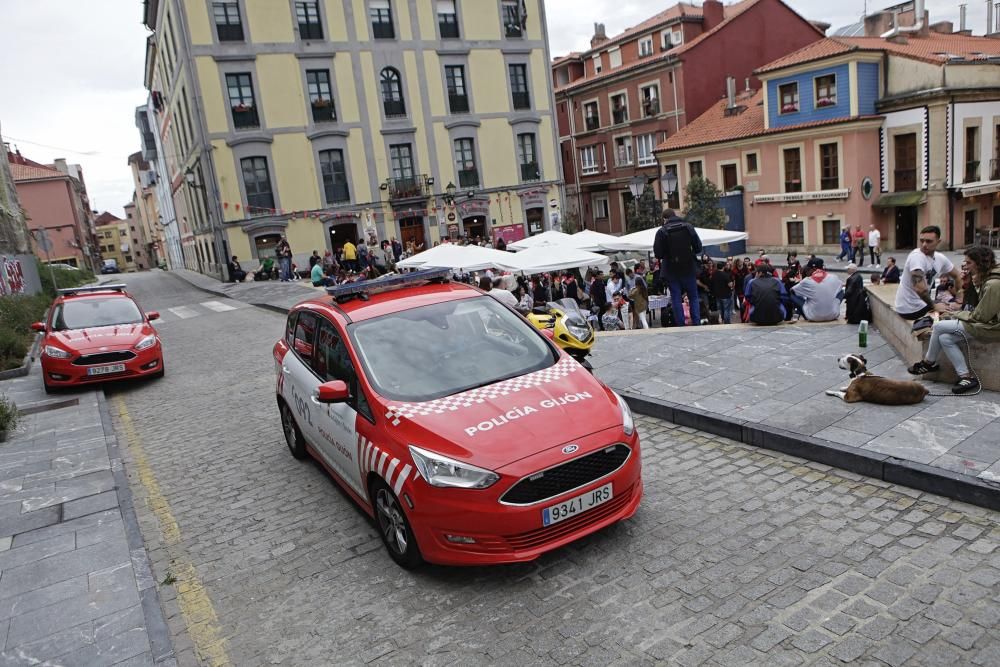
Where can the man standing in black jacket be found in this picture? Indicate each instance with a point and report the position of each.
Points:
(676, 245)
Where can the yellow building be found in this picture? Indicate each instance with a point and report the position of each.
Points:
(114, 242)
(333, 120)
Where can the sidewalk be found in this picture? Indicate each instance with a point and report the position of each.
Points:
(765, 386)
(271, 294)
(75, 583)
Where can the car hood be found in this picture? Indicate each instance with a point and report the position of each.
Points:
(504, 422)
(93, 339)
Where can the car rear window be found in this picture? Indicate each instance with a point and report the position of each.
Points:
(86, 313)
(446, 348)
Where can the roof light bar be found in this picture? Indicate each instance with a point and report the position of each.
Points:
(364, 288)
(117, 287)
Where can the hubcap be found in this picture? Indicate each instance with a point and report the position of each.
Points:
(391, 521)
(289, 427)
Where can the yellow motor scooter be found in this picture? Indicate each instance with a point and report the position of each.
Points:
(569, 326)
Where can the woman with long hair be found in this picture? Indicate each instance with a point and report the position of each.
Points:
(954, 328)
(640, 304)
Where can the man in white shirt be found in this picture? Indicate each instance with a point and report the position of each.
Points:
(913, 298)
(497, 291)
(816, 295)
(874, 240)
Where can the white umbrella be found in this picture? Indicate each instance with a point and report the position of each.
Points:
(551, 258)
(642, 241)
(545, 238)
(454, 256)
(590, 240)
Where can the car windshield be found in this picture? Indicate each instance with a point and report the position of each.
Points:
(446, 348)
(86, 313)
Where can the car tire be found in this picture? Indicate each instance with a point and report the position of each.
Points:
(49, 389)
(393, 526)
(163, 371)
(293, 436)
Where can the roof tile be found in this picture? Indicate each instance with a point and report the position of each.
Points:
(28, 172)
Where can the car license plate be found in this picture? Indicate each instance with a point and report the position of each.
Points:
(105, 370)
(573, 506)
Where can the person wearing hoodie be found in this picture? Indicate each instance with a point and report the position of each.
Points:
(815, 296)
(983, 323)
(676, 245)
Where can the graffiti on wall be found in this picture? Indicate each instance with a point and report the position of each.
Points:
(11, 276)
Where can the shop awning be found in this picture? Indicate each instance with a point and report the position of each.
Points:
(900, 199)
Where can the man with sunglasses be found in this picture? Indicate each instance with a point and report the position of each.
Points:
(914, 298)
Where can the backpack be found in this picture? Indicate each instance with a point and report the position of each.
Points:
(680, 252)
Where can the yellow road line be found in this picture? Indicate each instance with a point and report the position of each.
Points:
(195, 605)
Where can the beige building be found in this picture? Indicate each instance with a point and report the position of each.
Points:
(114, 240)
(148, 238)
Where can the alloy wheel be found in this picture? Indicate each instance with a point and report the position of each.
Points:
(391, 522)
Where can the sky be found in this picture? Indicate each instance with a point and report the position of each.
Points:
(71, 71)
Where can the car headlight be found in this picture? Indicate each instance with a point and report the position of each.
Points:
(628, 425)
(56, 353)
(441, 471)
(146, 343)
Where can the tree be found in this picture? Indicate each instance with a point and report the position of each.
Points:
(644, 212)
(570, 223)
(703, 208)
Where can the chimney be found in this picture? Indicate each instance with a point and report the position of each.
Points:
(961, 18)
(989, 16)
(600, 36)
(712, 14)
(747, 85)
(60, 165)
(730, 92)
(943, 27)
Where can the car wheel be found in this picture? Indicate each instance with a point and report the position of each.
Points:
(394, 528)
(293, 436)
(49, 389)
(158, 375)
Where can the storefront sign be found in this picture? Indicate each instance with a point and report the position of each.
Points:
(820, 195)
(470, 208)
(987, 189)
(451, 217)
(509, 234)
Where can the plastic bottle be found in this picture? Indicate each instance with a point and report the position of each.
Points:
(863, 334)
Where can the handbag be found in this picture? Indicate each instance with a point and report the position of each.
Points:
(925, 322)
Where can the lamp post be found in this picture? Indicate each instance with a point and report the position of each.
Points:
(192, 180)
(449, 194)
(637, 185)
(668, 184)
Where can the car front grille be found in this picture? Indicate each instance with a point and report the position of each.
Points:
(568, 476)
(539, 537)
(103, 358)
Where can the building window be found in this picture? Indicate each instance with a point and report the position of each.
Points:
(513, 20)
(381, 15)
(829, 169)
(320, 95)
(793, 170)
(905, 171)
(600, 207)
(650, 100)
(619, 109)
(645, 145)
(392, 93)
(694, 170)
(645, 47)
(796, 232)
(590, 116)
(615, 58)
(228, 26)
(826, 91)
(831, 232)
(588, 160)
(623, 151)
(673, 198)
(752, 163)
(789, 96)
(730, 177)
(307, 14)
(335, 188)
(971, 154)
(401, 158)
(465, 160)
(528, 155)
(519, 86)
(458, 99)
(447, 19)
(241, 100)
(596, 60)
(257, 183)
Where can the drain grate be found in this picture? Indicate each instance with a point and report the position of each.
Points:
(50, 405)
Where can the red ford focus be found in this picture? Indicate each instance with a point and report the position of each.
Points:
(463, 430)
(97, 334)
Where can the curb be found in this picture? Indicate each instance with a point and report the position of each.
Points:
(207, 290)
(160, 644)
(887, 468)
(25, 366)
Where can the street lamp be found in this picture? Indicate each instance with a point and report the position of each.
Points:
(668, 183)
(449, 194)
(191, 179)
(637, 185)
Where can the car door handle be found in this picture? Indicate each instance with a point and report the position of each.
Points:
(284, 369)
(315, 400)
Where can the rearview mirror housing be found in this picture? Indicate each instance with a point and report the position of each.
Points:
(153, 315)
(38, 326)
(335, 391)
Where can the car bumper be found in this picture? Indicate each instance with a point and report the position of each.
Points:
(505, 533)
(64, 373)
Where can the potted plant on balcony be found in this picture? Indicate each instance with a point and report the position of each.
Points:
(8, 417)
(319, 103)
(825, 102)
(789, 108)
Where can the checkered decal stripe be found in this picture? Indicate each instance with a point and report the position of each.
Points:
(389, 468)
(473, 397)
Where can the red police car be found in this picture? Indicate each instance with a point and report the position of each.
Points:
(464, 431)
(97, 334)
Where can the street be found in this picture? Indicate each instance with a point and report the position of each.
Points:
(737, 555)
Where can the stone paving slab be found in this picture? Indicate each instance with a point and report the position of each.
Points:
(74, 575)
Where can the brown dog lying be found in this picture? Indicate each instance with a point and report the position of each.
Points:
(875, 389)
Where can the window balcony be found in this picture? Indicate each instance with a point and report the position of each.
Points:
(245, 116)
(468, 178)
(448, 26)
(651, 107)
(995, 169)
(383, 31)
(971, 171)
(260, 204)
(458, 103)
(829, 183)
(906, 179)
(411, 187)
(530, 172)
(592, 123)
(620, 116)
(513, 30)
(323, 111)
(794, 185)
(521, 100)
(394, 108)
(230, 33)
(310, 31)
(336, 192)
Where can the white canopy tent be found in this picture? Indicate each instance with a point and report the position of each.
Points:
(545, 238)
(454, 256)
(551, 258)
(642, 241)
(591, 241)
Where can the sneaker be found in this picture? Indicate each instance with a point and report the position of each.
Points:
(922, 367)
(965, 386)
(795, 317)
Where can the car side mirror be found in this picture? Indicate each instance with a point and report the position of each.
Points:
(38, 326)
(333, 392)
(548, 333)
(153, 315)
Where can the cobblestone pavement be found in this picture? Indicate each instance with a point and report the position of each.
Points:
(737, 555)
